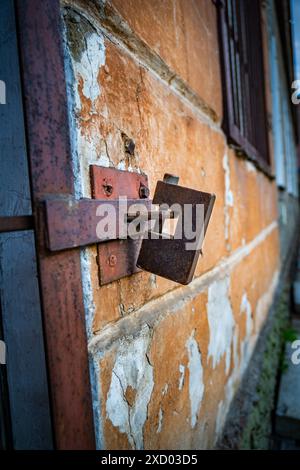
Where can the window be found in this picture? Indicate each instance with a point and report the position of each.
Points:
(245, 117)
(284, 138)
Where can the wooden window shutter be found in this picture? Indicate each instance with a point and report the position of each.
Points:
(245, 117)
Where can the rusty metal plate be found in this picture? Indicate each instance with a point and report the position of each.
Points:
(16, 223)
(71, 222)
(117, 259)
(168, 257)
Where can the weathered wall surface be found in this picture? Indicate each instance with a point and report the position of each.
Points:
(165, 359)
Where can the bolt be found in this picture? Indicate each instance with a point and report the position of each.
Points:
(143, 191)
(108, 189)
(112, 260)
(129, 144)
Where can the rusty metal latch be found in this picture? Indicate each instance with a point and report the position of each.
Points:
(124, 196)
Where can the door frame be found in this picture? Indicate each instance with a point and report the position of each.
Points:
(48, 145)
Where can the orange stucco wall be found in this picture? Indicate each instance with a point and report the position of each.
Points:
(167, 359)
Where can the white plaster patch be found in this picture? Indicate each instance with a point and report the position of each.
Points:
(121, 165)
(246, 343)
(96, 393)
(228, 197)
(250, 167)
(235, 343)
(88, 148)
(264, 303)
(153, 281)
(181, 376)
(229, 392)
(221, 322)
(88, 299)
(247, 347)
(160, 419)
(92, 59)
(228, 192)
(131, 369)
(246, 308)
(196, 385)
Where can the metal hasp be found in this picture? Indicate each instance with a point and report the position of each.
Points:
(117, 258)
(169, 257)
(72, 223)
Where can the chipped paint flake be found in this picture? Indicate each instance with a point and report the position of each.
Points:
(196, 385)
(88, 299)
(246, 343)
(228, 192)
(160, 420)
(87, 69)
(264, 303)
(84, 87)
(131, 369)
(181, 376)
(250, 167)
(246, 308)
(240, 363)
(221, 322)
(228, 197)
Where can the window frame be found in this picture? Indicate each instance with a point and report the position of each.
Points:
(231, 129)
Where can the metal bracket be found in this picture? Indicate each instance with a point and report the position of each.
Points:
(72, 223)
(117, 258)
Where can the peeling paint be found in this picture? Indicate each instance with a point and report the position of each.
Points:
(160, 419)
(131, 369)
(173, 301)
(264, 303)
(228, 192)
(97, 405)
(122, 395)
(228, 197)
(85, 254)
(181, 377)
(196, 385)
(240, 363)
(85, 55)
(221, 322)
(87, 69)
(229, 392)
(250, 167)
(246, 308)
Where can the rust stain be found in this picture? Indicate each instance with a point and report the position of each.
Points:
(130, 394)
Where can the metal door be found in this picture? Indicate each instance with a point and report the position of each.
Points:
(25, 411)
(45, 384)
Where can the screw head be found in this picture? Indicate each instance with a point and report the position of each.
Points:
(112, 260)
(108, 189)
(143, 191)
(129, 146)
